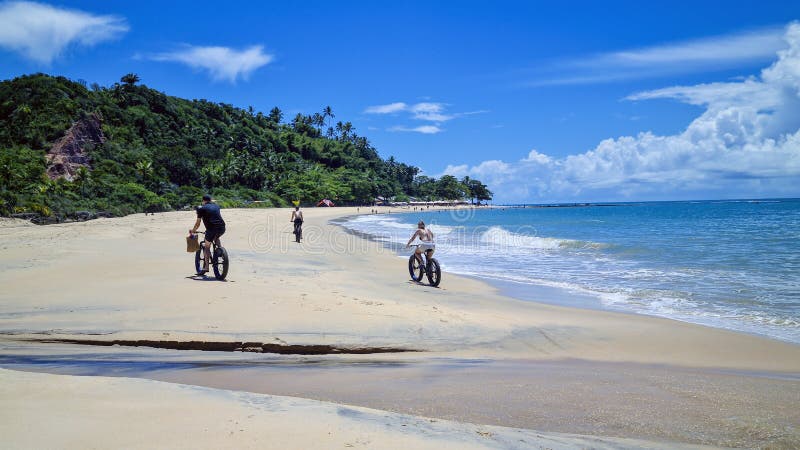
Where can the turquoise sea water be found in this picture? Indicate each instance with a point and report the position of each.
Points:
(731, 264)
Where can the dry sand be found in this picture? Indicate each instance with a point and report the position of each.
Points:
(130, 279)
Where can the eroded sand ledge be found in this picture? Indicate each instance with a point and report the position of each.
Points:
(129, 279)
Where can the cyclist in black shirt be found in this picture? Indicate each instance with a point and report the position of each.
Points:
(209, 213)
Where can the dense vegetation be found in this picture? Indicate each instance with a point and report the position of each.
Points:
(162, 152)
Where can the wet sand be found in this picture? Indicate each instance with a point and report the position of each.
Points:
(485, 358)
(39, 411)
(659, 403)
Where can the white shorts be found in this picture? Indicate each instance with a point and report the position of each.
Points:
(425, 246)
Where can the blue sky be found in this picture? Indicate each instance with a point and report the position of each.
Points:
(587, 102)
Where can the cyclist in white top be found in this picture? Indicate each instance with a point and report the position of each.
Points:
(426, 245)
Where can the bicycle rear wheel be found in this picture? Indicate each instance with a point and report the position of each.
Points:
(434, 272)
(415, 269)
(220, 263)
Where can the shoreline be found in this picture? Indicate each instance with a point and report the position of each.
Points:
(130, 279)
(549, 294)
(328, 251)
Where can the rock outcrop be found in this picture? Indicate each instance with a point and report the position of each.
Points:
(70, 152)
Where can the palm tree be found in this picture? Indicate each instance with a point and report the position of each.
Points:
(318, 120)
(328, 112)
(83, 179)
(276, 115)
(145, 169)
(130, 79)
(347, 128)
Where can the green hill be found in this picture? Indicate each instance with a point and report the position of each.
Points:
(127, 148)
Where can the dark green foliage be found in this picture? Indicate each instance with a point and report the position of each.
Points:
(164, 152)
(22, 179)
(35, 110)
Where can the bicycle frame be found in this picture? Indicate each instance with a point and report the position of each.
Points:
(424, 256)
(215, 243)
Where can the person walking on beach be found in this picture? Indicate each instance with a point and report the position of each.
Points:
(297, 218)
(211, 216)
(426, 245)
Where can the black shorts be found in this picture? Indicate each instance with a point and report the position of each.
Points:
(212, 234)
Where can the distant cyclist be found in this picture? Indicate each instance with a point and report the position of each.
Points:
(426, 245)
(297, 218)
(210, 214)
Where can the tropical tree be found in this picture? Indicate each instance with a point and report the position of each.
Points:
(144, 168)
(83, 180)
(476, 190)
(318, 120)
(327, 112)
(424, 187)
(275, 115)
(482, 192)
(130, 79)
(448, 187)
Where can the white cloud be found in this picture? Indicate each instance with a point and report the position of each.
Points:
(428, 111)
(717, 52)
(41, 32)
(536, 157)
(747, 46)
(433, 112)
(386, 109)
(424, 129)
(745, 144)
(222, 63)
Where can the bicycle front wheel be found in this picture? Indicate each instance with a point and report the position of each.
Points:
(434, 272)
(220, 263)
(415, 269)
(198, 260)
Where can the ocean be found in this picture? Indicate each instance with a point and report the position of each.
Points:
(732, 264)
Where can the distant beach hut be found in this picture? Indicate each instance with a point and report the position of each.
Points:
(325, 202)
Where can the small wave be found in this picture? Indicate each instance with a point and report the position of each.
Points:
(679, 306)
(387, 229)
(390, 224)
(382, 222)
(497, 236)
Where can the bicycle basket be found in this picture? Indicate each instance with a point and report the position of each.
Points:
(192, 244)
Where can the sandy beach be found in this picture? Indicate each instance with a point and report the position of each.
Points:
(460, 353)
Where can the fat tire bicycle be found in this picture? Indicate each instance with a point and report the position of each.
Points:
(219, 259)
(430, 268)
(298, 231)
